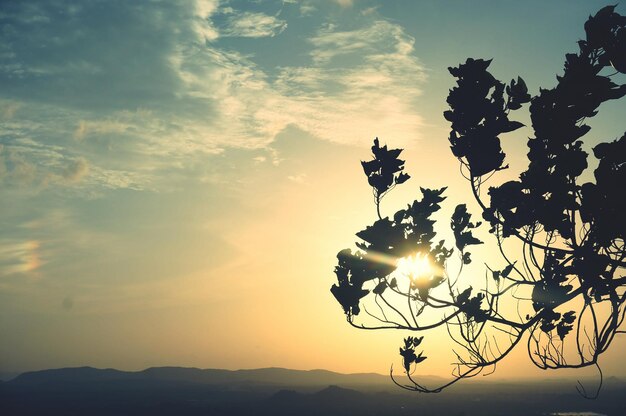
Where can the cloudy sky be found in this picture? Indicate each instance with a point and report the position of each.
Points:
(177, 176)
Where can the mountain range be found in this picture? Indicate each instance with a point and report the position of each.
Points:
(279, 391)
(265, 376)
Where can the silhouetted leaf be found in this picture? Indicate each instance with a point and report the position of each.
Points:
(417, 341)
(507, 270)
(393, 284)
(518, 94)
(402, 177)
(385, 170)
(380, 288)
(425, 284)
(420, 358)
(572, 234)
(478, 115)
(348, 296)
(552, 289)
(548, 319)
(512, 126)
(463, 297)
(408, 353)
(472, 308)
(461, 226)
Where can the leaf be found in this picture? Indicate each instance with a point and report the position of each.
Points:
(408, 352)
(402, 177)
(370, 167)
(549, 317)
(507, 270)
(417, 341)
(512, 126)
(566, 324)
(463, 297)
(461, 226)
(518, 94)
(380, 288)
(348, 297)
(408, 357)
(420, 358)
(472, 308)
(478, 116)
(569, 317)
(385, 169)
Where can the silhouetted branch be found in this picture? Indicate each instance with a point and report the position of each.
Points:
(567, 273)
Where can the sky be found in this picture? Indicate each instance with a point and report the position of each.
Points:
(178, 176)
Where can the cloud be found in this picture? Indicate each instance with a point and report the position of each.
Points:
(369, 96)
(17, 169)
(164, 89)
(299, 179)
(33, 166)
(380, 38)
(19, 257)
(345, 3)
(75, 170)
(253, 25)
(369, 11)
(202, 24)
(8, 109)
(86, 127)
(357, 88)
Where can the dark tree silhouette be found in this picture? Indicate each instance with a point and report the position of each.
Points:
(563, 293)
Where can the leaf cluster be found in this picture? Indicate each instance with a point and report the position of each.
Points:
(408, 352)
(479, 115)
(385, 170)
(572, 232)
(410, 230)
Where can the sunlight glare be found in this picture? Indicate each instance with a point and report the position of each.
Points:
(415, 266)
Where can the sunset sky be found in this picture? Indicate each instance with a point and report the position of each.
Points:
(177, 177)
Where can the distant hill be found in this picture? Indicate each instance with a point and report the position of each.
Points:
(6, 375)
(332, 393)
(262, 376)
(175, 391)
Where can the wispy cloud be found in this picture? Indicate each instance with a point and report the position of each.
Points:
(19, 257)
(201, 21)
(380, 38)
(253, 25)
(75, 170)
(87, 127)
(28, 164)
(347, 102)
(345, 3)
(8, 109)
(369, 96)
(163, 89)
(299, 179)
(37, 155)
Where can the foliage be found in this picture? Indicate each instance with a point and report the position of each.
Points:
(569, 268)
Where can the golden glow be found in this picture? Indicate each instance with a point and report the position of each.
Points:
(415, 266)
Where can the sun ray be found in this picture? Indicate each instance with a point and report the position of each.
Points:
(415, 266)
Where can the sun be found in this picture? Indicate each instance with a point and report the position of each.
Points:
(415, 266)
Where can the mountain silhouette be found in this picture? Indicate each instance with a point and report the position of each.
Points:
(279, 391)
(269, 376)
(286, 396)
(332, 393)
